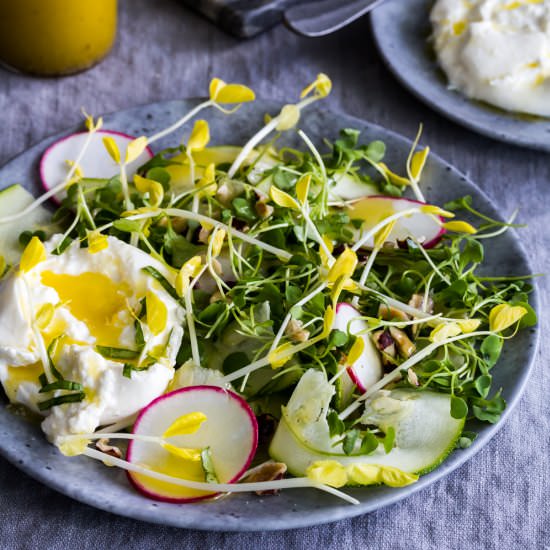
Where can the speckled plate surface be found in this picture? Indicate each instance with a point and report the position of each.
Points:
(401, 30)
(107, 488)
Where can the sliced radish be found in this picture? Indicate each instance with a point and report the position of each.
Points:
(230, 431)
(95, 163)
(367, 370)
(372, 210)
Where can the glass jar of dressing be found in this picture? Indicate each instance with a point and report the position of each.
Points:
(55, 37)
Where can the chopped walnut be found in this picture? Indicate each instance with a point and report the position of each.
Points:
(412, 378)
(296, 332)
(404, 345)
(389, 313)
(104, 447)
(203, 235)
(417, 301)
(179, 225)
(267, 471)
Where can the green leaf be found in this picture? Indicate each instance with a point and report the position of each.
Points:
(60, 385)
(376, 151)
(161, 175)
(483, 384)
(389, 439)
(284, 179)
(292, 294)
(335, 425)
(337, 339)
(243, 209)
(127, 370)
(117, 353)
(472, 252)
(127, 226)
(491, 348)
(208, 466)
(61, 399)
(369, 444)
(150, 270)
(458, 204)
(530, 318)
(348, 445)
(459, 408)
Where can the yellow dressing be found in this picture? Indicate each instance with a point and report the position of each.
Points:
(18, 375)
(52, 37)
(94, 299)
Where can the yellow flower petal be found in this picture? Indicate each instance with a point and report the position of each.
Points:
(97, 242)
(187, 424)
(302, 188)
(356, 351)
(444, 331)
(34, 253)
(216, 84)
(44, 315)
(152, 187)
(392, 176)
(112, 148)
(321, 87)
(394, 477)
(217, 239)
(288, 118)
(157, 314)
(200, 136)
(192, 455)
(78, 172)
(364, 474)
(436, 211)
(135, 148)
(234, 93)
(460, 227)
(328, 472)
(283, 199)
(328, 321)
(504, 315)
(280, 355)
(468, 325)
(344, 265)
(330, 246)
(417, 163)
(92, 126)
(189, 269)
(208, 181)
(383, 235)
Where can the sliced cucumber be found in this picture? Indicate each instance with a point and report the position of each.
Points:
(12, 200)
(425, 432)
(348, 186)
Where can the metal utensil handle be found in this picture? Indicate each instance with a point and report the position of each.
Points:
(327, 16)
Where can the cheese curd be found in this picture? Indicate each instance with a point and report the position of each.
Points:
(72, 303)
(497, 51)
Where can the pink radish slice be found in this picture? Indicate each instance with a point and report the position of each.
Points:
(423, 227)
(367, 370)
(230, 431)
(96, 162)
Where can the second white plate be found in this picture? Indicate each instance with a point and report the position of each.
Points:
(401, 30)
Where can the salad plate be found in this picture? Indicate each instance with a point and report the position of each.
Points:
(401, 35)
(91, 482)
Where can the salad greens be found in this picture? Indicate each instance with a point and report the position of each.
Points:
(265, 247)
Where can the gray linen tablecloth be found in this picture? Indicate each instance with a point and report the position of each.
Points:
(499, 499)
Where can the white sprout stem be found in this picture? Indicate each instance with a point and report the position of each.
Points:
(177, 212)
(113, 435)
(373, 231)
(502, 229)
(117, 426)
(414, 181)
(394, 374)
(191, 321)
(317, 236)
(180, 122)
(321, 164)
(288, 317)
(293, 483)
(259, 136)
(54, 190)
(443, 277)
(365, 273)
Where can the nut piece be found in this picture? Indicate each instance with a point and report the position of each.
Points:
(296, 332)
(104, 447)
(267, 471)
(417, 301)
(389, 313)
(404, 346)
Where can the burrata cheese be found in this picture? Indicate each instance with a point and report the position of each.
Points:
(496, 51)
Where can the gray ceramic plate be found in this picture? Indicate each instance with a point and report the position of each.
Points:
(401, 29)
(107, 488)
